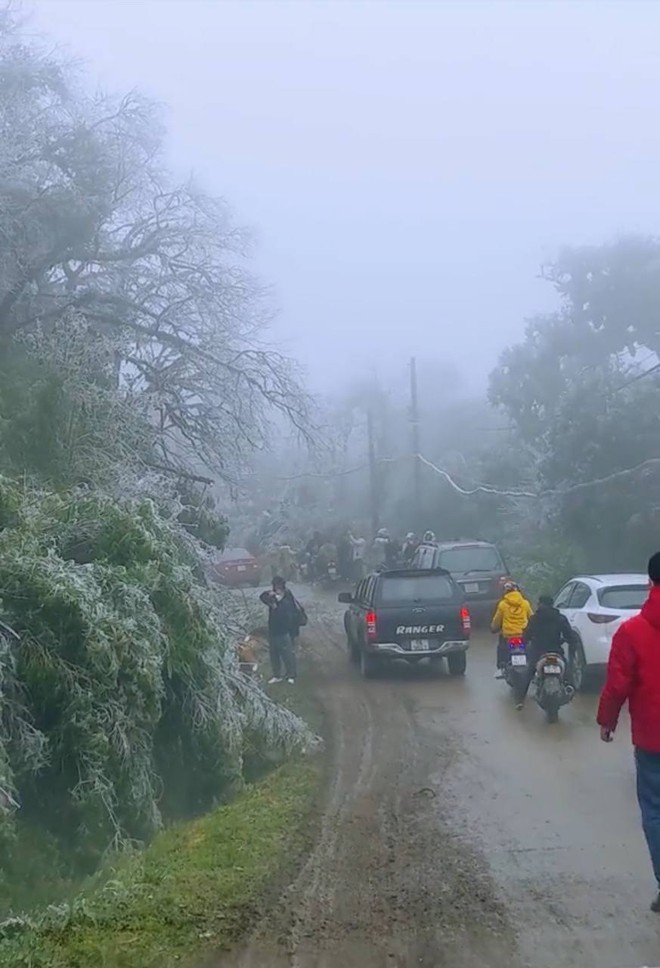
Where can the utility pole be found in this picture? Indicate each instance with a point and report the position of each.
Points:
(373, 478)
(414, 425)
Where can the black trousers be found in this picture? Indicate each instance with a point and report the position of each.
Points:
(282, 655)
(502, 652)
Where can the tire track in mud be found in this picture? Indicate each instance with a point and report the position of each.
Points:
(390, 883)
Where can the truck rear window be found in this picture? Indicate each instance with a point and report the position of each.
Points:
(416, 588)
(470, 558)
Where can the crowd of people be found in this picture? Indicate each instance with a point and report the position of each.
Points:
(346, 555)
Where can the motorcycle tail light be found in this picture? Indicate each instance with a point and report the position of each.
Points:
(466, 621)
(371, 625)
(599, 619)
(516, 643)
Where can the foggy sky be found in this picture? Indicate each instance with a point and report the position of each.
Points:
(406, 166)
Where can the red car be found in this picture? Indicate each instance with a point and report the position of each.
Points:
(235, 567)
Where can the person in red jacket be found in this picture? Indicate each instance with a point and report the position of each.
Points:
(633, 674)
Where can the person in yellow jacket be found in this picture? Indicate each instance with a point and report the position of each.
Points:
(511, 616)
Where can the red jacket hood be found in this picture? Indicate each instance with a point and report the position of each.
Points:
(651, 607)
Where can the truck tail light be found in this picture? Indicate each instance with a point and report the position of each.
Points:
(371, 625)
(465, 620)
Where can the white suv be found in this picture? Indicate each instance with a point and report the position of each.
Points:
(595, 606)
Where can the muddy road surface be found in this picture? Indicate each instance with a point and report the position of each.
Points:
(459, 832)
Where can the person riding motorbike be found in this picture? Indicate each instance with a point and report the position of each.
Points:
(327, 554)
(304, 564)
(511, 616)
(385, 550)
(312, 548)
(379, 548)
(393, 553)
(410, 545)
(547, 631)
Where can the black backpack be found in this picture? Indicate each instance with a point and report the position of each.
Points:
(302, 614)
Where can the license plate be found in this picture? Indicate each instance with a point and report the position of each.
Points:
(552, 670)
(518, 660)
(471, 587)
(420, 645)
(241, 568)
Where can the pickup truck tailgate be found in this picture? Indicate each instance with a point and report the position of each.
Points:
(424, 607)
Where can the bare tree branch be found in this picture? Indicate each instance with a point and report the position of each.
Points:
(90, 226)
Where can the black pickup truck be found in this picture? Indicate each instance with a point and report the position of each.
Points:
(410, 614)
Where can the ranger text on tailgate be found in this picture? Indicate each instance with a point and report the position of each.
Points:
(412, 614)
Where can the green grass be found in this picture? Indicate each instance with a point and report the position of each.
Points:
(195, 889)
(302, 699)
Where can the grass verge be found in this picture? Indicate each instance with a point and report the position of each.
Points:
(195, 889)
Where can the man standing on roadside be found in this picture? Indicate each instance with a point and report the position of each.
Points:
(633, 674)
(283, 625)
(345, 555)
(359, 548)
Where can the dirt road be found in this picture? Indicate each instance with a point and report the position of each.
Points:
(460, 832)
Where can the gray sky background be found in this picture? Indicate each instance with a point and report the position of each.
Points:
(406, 165)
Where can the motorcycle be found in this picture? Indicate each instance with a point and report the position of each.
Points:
(551, 690)
(516, 668)
(328, 574)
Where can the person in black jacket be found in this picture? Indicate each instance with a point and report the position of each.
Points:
(283, 625)
(547, 631)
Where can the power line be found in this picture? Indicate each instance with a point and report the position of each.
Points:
(486, 488)
(627, 472)
(478, 488)
(639, 376)
(327, 475)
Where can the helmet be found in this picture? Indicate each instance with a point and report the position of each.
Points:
(410, 536)
(510, 586)
(429, 536)
(383, 533)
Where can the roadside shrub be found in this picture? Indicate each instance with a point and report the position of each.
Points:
(122, 700)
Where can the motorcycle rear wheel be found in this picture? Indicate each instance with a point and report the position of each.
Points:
(552, 713)
(516, 683)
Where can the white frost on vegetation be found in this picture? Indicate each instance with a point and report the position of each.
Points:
(124, 689)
